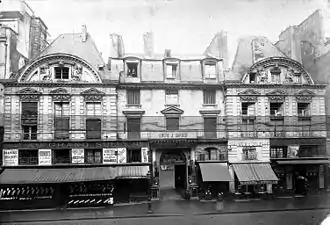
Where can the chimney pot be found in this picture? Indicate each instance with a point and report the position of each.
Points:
(167, 53)
(84, 33)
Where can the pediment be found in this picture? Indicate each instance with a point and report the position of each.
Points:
(249, 92)
(172, 110)
(28, 91)
(92, 91)
(277, 92)
(61, 91)
(306, 92)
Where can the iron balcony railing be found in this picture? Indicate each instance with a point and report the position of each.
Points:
(156, 127)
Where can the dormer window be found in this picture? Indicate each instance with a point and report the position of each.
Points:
(171, 70)
(132, 69)
(62, 73)
(210, 71)
(252, 77)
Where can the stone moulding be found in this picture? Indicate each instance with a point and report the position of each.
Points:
(29, 94)
(92, 95)
(60, 94)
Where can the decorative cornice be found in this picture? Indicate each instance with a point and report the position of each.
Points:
(92, 95)
(133, 112)
(14, 83)
(209, 112)
(249, 98)
(276, 98)
(287, 86)
(29, 94)
(304, 98)
(172, 110)
(162, 85)
(57, 57)
(249, 92)
(60, 94)
(282, 61)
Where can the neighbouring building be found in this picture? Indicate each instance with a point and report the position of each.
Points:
(61, 128)
(22, 36)
(175, 104)
(275, 122)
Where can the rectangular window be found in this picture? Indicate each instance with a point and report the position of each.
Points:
(276, 108)
(29, 113)
(298, 79)
(93, 156)
(28, 157)
(62, 156)
(278, 152)
(134, 155)
(172, 123)
(248, 128)
(209, 97)
(93, 128)
(62, 73)
(133, 97)
(93, 109)
(252, 77)
(30, 132)
(248, 109)
(210, 127)
(134, 128)
(172, 97)
(303, 109)
(275, 78)
(249, 153)
(132, 68)
(62, 120)
(210, 70)
(171, 70)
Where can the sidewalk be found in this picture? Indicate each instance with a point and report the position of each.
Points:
(167, 208)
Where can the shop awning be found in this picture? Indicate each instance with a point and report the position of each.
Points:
(255, 173)
(132, 172)
(214, 172)
(302, 162)
(56, 175)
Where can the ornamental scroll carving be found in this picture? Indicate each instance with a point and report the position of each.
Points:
(249, 95)
(276, 96)
(305, 96)
(29, 95)
(93, 95)
(60, 94)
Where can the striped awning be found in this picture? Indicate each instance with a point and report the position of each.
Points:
(255, 173)
(56, 175)
(214, 172)
(131, 172)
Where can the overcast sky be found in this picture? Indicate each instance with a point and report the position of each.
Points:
(185, 26)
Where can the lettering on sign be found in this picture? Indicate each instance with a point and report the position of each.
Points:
(45, 157)
(78, 155)
(173, 135)
(110, 156)
(247, 144)
(74, 145)
(10, 157)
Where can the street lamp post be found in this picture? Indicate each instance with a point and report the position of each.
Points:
(149, 192)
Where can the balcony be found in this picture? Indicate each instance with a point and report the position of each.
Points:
(221, 156)
(307, 152)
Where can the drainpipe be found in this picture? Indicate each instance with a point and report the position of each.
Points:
(6, 46)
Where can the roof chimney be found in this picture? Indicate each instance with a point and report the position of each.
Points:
(84, 33)
(148, 41)
(167, 53)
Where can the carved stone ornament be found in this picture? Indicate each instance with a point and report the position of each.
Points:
(262, 75)
(45, 72)
(276, 96)
(249, 95)
(77, 72)
(305, 96)
(60, 94)
(276, 70)
(29, 95)
(249, 98)
(93, 95)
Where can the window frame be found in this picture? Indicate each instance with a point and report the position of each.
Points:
(210, 94)
(62, 161)
(280, 105)
(247, 150)
(36, 157)
(133, 92)
(131, 62)
(210, 63)
(93, 151)
(247, 108)
(62, 68)
(30, 133)
(172, 65)
(129, 154)
(177, 126)
(307, 105)
(93, 136)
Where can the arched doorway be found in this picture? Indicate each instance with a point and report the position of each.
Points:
(172, 174)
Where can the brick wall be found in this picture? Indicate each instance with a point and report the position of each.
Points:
(38, 37)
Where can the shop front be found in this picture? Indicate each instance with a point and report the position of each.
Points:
(300, 164)
(253, 180)
(78, 173)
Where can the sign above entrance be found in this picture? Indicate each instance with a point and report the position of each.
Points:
(169, 135)
(74, 145)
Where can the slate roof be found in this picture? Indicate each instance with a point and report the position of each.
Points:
(244, 56)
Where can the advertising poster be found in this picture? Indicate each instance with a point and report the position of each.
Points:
(110, 156)
(10, 157)
(144, 155)
(78, 155)
(45, 157)
(293, 151)
(122, 155)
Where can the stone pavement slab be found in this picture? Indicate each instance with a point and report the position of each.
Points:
(167, 208)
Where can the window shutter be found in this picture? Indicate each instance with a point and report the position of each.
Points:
(29, 113)
(251, 110)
